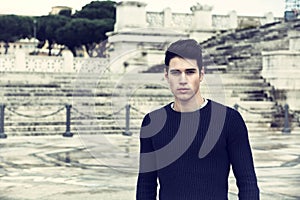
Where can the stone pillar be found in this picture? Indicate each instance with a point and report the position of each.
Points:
(269, 18)
(68, 63)
(130, 14)
(294, 40)
(233, 20)
(282, 70)
(202, 17)
(20, 61)
(201, 28)
(167, 18)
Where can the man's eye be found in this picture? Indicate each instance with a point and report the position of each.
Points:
(175, 72)
(190, 72)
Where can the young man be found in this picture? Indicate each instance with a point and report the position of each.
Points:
(189, 145)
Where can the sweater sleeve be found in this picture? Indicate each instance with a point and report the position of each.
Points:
(147, 181)
(241, 159)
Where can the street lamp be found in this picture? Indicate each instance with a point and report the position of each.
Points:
(34, 36)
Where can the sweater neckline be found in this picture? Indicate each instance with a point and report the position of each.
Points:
(169, 108)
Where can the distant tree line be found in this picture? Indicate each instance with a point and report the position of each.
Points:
(86, 27)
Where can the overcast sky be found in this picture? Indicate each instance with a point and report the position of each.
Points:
(243, 7)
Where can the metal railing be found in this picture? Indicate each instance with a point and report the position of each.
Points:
(286, 127)
(68, 107)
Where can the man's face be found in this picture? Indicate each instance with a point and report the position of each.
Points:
(184, 79)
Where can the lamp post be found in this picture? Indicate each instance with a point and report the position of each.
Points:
(34, 36)
(127, 129)
(286, 129)
(68, 121)
(2, 134)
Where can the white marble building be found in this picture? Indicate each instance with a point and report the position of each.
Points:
(137, 28)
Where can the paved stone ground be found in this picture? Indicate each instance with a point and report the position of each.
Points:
(104, 168)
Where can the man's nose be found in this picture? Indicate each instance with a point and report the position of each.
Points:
(183, 79)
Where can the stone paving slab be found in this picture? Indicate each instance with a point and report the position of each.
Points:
(105, 167)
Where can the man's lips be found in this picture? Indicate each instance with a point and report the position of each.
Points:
(183, 89)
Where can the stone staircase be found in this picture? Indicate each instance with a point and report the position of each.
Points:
(250, 95)
(35, 103)
(235, 58)
(240, 51)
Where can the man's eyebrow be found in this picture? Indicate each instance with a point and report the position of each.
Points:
(189, 69)
(174, 70)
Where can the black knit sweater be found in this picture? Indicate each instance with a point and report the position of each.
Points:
(190, 154)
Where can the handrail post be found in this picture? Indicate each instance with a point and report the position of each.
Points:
(127, 128)
(236, 106)
(2, 134)
(68, 121)
(286, 129)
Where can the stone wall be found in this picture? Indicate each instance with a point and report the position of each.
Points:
(26, 45)
(22, 62)
(282, 70)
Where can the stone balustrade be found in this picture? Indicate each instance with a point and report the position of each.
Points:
(186, 21)
(22, 62)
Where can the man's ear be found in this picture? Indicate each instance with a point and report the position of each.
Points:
(202, 73)
(166, 74)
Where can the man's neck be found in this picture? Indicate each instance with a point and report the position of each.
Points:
(188, 106)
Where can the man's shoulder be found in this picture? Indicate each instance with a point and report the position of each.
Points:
(221, 105)
(159, 110)
(222, 108)
(157, 116)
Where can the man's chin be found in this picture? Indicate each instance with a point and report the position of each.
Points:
(183, 99)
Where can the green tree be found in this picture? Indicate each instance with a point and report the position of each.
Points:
(88, 26)
(15, 27)
(47, 27)
(78, 32)
(66, 12)
(97, 10)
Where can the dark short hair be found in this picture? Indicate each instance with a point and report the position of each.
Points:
(187, 48)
